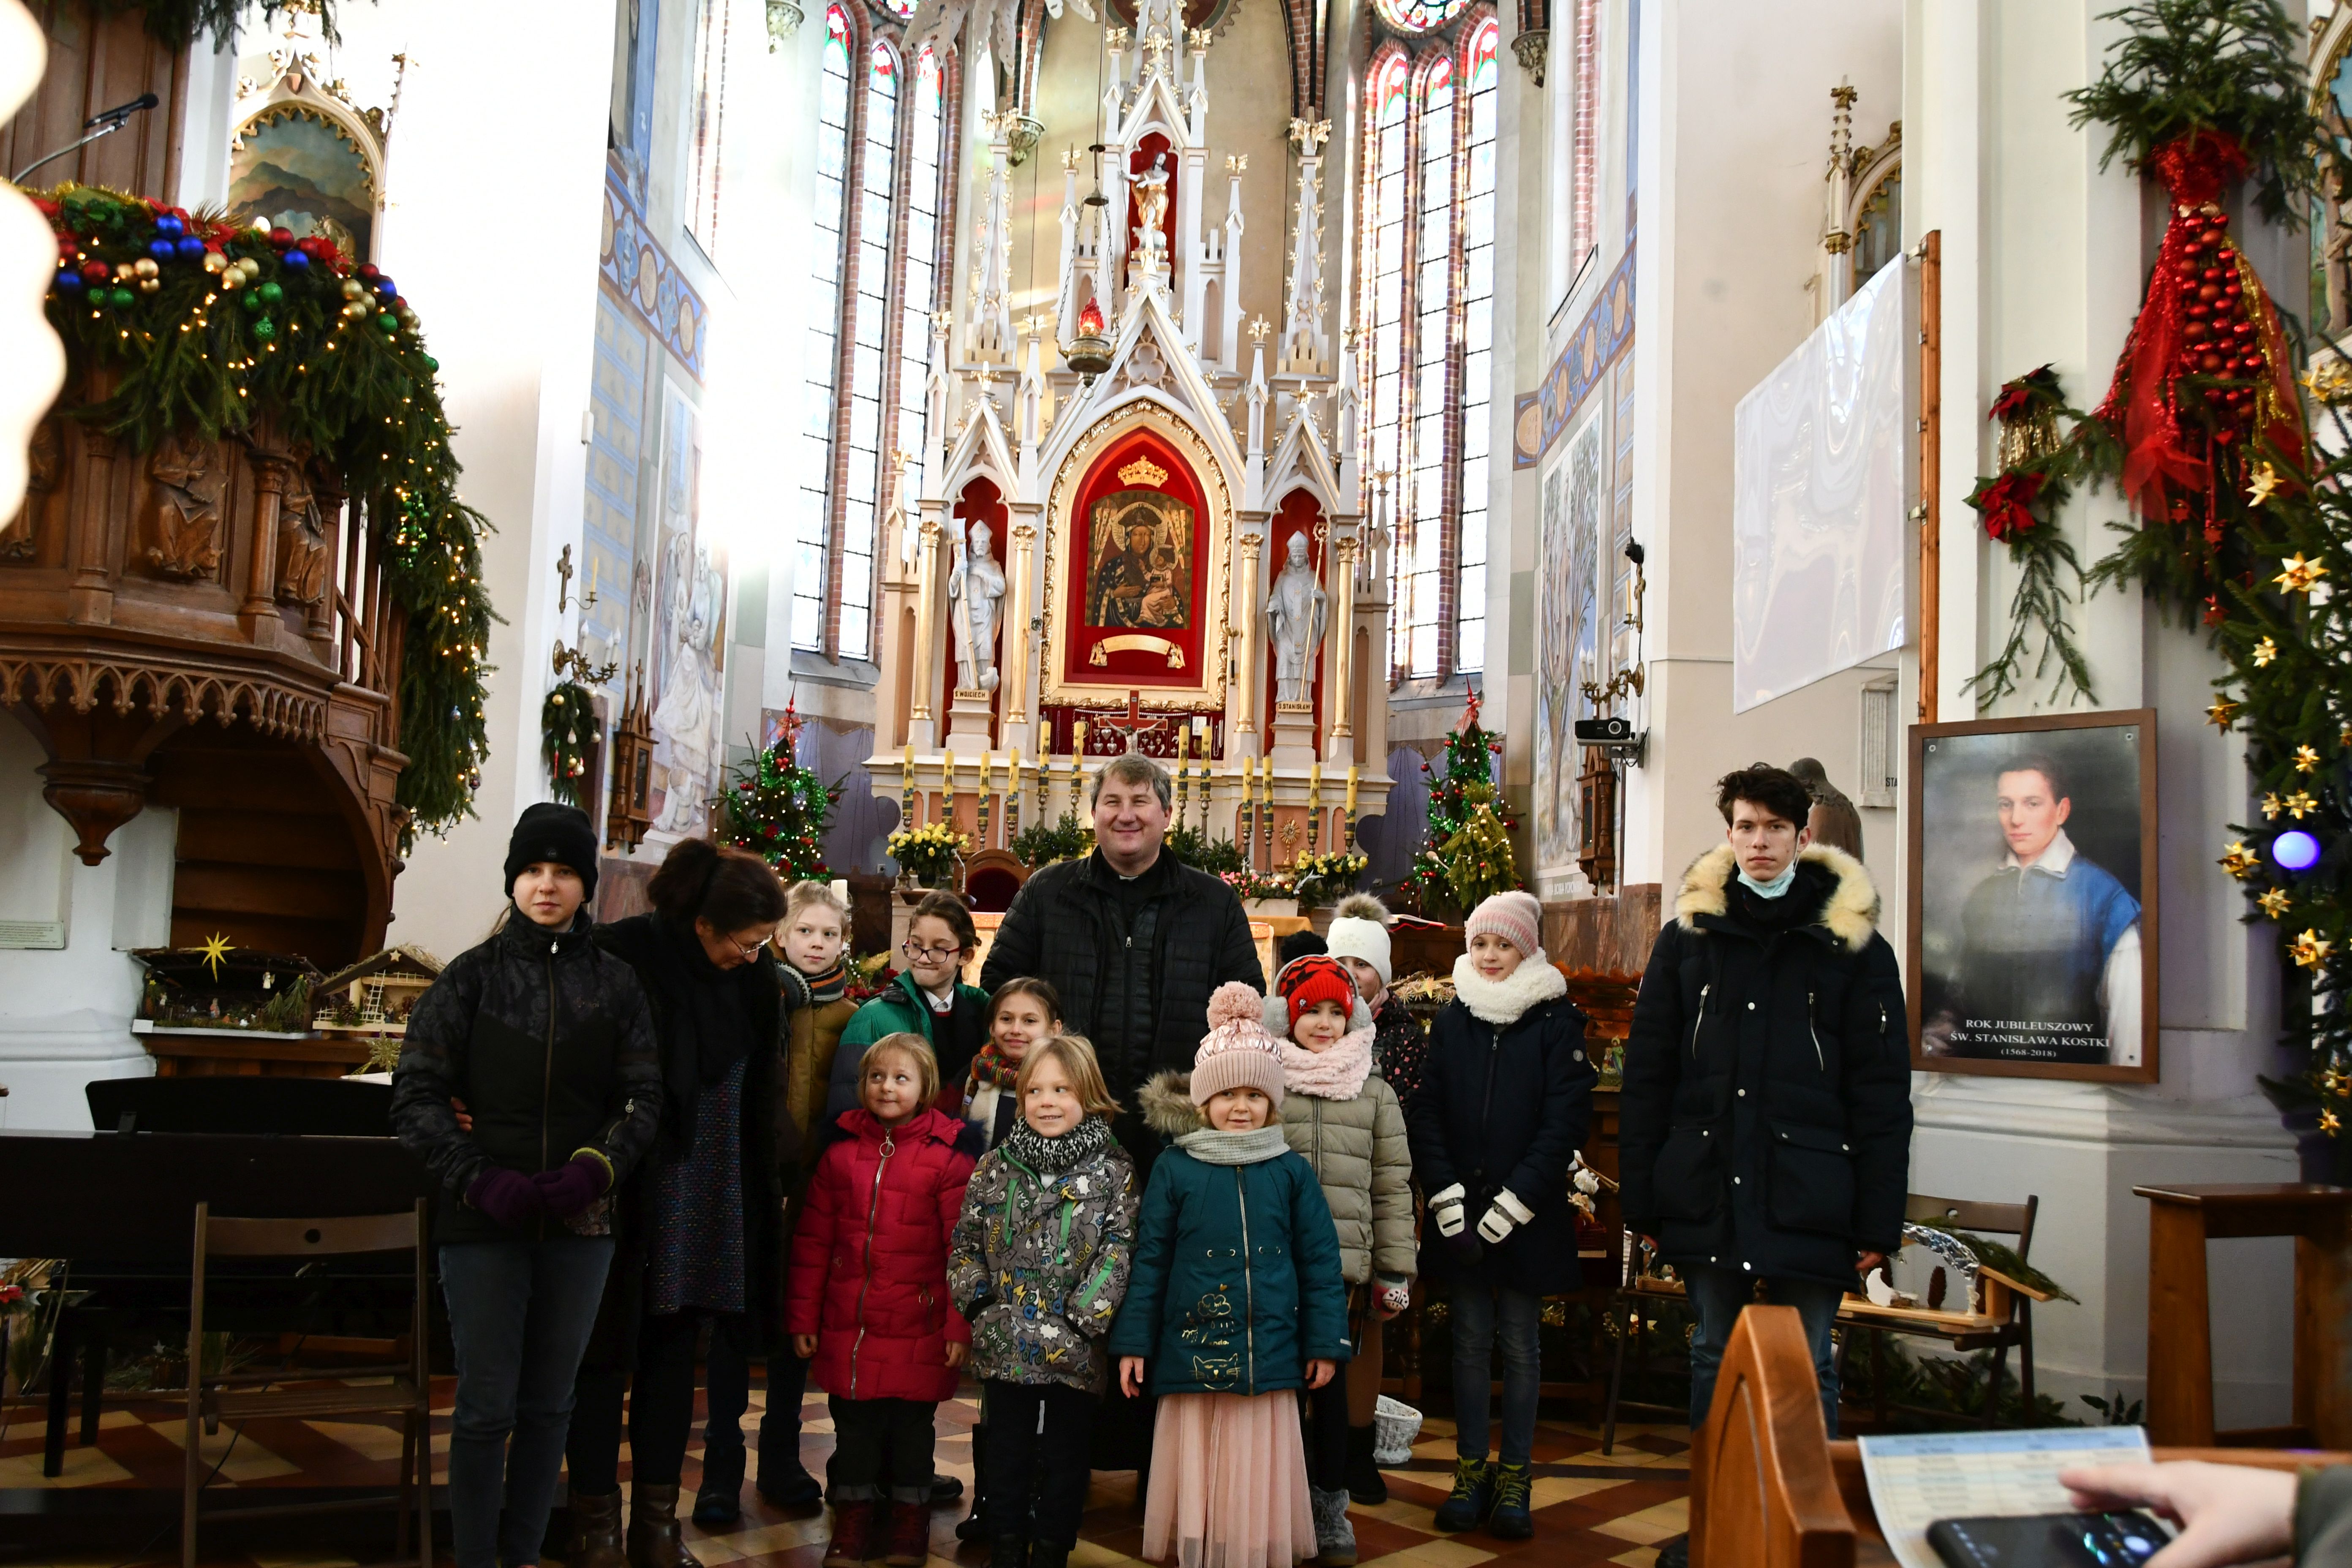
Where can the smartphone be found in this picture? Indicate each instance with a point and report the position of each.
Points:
(2049, 1541)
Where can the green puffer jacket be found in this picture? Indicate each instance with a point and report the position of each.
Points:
(1362, 1160)
(1039, 1258)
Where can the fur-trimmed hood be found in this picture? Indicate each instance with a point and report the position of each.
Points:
(1166, 1102)
(1849, 914)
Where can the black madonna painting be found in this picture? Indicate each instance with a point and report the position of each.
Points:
(1139, 561)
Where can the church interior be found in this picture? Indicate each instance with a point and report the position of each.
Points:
(1447, 436)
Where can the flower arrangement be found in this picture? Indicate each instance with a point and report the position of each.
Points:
(1327, 879)
(1247, 884)
(929, 852)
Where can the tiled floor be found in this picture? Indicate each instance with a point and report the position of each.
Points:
(1590, 1507)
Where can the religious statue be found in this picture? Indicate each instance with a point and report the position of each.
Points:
(975, 591)
(1151, 214)
(1295, 613)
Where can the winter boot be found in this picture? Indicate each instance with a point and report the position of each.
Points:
(654, 1538)
(1465, 1506)
(595, 1539)
(785, 1483)
(719, 1499)
(1335, 1538)
(1009, 1552)
(1510, 1520)
(909, 1543)
(1046, 1556)
(1366, 1485)
(853, 1535)
(1674, 1553)
(945, 1490)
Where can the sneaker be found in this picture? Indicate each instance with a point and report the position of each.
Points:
(1510, 1520)
(1335, 1538)
(1465, 1506)
(909, 1545)
(853, 1536)
(1674, 1553)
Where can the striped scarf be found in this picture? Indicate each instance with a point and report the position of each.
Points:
(831, 985)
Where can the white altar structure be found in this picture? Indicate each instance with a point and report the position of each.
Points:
(1141, 460)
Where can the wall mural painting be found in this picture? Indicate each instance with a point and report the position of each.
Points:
(301, 170)
(1139, 560)
(1566, 637)
(689, 630)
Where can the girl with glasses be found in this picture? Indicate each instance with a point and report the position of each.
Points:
(927, 997)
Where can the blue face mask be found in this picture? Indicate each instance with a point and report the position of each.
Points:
(1773, 888)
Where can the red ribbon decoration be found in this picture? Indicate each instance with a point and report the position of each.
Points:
(2206, 313)
(2006, 504)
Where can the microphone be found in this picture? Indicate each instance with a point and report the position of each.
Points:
(121, 111)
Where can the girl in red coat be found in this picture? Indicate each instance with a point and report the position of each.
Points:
(867, 1296)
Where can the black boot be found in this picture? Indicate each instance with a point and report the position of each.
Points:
(1674, 1552)
(1367, 1487)
(980, 1523)
(1009, 1551)
(719, 1499)
(1046, 1556)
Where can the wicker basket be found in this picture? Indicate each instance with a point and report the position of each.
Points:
(1394, 1425)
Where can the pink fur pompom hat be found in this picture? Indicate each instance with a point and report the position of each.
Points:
(1237, 1052)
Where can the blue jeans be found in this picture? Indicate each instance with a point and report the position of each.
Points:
(1717, 1296)
(1481, 1314)
(519, 1315)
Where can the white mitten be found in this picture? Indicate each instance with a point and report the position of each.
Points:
(1506, 1212)
(1446, 1210)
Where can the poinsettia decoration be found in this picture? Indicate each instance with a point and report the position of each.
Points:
(2039, 471)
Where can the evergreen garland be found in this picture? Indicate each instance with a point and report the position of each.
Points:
(2235, 66)
(1465, 789)
(567, 729)
(210, 328)
(176, 23)
(2017, 507)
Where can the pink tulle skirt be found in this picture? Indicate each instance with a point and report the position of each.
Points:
(1228, 1482)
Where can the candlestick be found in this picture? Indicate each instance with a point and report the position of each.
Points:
(1201, 728)
(1077, 764)
(1314, 806)
(1349, 842)
(985, 759)
(907, 790)
(1183, 761)
(1246, 822)
(1013, 799)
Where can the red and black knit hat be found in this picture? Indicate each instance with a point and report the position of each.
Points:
(1306, 981)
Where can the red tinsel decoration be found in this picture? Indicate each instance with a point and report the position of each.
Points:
(2007, 505)
(2205, 315)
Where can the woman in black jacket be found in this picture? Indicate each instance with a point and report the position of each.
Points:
(701, 1231)
(547, 1041)
(1505, 1099)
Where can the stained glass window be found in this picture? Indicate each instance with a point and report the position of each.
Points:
(812, 573)
(919, 289)
(1478, 241)
(1418, 16)
(1416, 610)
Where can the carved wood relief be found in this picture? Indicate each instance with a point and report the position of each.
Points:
(182, 523)
(20, 540)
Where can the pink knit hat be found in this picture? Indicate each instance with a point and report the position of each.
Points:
(1237, 1052)
(1515, 917)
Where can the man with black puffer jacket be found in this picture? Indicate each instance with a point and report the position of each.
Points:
(1765, 1126)
(1132, 940)
(549, 1044)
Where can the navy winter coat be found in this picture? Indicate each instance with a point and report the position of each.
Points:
(1766, 1120)
(1504, 1104)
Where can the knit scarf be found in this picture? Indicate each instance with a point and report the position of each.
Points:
(830, 986)
(1052, 1156)
(991, 1070)
(1502, 1001)
(1211, 1147)
(1338, 1073)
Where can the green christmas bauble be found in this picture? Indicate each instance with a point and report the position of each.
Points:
(263, 328)
(121, 298)
(268, 293)
(389, 322)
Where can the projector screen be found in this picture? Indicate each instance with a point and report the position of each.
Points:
(1821, 478)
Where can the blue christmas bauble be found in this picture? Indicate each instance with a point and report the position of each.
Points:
(69, 282)
(161, 249)
(189, 247)
(295, 261)
(169, 225)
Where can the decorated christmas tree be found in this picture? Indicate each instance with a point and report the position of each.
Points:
(777, 809)
(1468, 845)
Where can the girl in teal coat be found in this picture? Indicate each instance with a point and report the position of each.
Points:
(1234, 1304)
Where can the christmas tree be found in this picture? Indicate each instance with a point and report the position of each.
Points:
(1465, 829)
(777, 809)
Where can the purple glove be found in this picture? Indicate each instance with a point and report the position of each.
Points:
(508, 1197)
(571, 1186)
(1467, 1251)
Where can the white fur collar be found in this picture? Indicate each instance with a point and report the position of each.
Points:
(1850, 914)
(1502, 1001)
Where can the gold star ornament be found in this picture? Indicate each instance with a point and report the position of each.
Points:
(2298, 803)
(2300, 575)
(2270, 806)
(2310, 950)
(2221, 712)
(2274, 902)
(216, 950)
(2266, 484)
(2329, 1123)
(2264, 651)
(2238, 860)
(2305, 760)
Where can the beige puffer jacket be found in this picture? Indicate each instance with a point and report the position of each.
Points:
(1358, 1152)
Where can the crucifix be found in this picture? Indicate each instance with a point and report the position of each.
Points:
(564, 590)
(1135, 726)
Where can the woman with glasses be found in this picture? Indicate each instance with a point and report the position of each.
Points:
(927, 997)
(700, 1240)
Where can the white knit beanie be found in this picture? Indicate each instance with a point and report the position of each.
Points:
(1360, 930)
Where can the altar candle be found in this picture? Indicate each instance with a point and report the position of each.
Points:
(1183, 757)
(1351, 789)
(987, 766)
(1314, 786)
(1012, 775)
(907, 788)
(1078, 739)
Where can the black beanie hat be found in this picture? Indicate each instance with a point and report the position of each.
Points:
(559, 834)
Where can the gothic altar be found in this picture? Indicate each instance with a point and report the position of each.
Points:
(1137, 519)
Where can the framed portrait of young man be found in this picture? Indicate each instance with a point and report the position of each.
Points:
(2033, 921)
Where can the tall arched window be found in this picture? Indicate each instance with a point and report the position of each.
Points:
(1428, 325)
(869, 349)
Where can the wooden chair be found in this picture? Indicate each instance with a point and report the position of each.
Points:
(2010, 1302)
(334, 1391)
